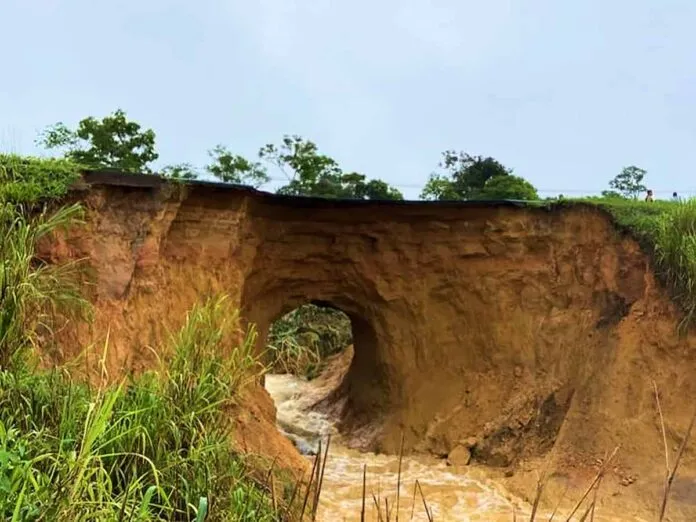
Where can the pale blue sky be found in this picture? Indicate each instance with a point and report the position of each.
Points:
(566, 93)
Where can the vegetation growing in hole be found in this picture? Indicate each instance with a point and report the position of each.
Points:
(300, 341)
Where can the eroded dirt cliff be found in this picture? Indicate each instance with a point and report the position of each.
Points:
(517, 332)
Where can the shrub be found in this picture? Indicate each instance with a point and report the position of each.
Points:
(28, 180)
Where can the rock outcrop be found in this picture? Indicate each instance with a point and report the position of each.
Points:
(527, 329)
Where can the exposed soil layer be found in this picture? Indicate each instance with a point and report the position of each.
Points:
(521, 333)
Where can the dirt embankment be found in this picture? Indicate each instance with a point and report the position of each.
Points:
(522, 333)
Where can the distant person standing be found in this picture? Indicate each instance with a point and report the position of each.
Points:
(675, 197)
(649, 198)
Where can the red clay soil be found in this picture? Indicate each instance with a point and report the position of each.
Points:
(524, 333)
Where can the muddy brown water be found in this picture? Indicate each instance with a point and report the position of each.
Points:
(452, 493)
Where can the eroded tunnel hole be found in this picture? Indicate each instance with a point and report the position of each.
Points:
(309, 351)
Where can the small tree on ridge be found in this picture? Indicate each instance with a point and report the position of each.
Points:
(114, 142)
(629, 182)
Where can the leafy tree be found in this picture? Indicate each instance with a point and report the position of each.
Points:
(232, 168)
(356, 186)
(508, 187)
(439, 187)
(310, 173)
(114, 142)
(465, 177)
(227, 167)
(629, 182)
(180, 171)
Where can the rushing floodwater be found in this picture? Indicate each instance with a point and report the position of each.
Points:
(452, 494)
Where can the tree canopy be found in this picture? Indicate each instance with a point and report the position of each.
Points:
(180, 171)
(225, 166)
(508, 187)
(311, 173)
(114, 142)
(628, 183)
(233, 168)
(475, 177)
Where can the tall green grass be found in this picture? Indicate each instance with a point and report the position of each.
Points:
(33, 294)
(675, 255)
(157, 446)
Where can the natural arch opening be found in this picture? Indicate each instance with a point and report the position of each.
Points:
(358, 398)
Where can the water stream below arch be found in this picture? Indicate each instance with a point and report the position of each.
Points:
(451, 493)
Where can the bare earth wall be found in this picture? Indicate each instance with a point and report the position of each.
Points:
(534, 332)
